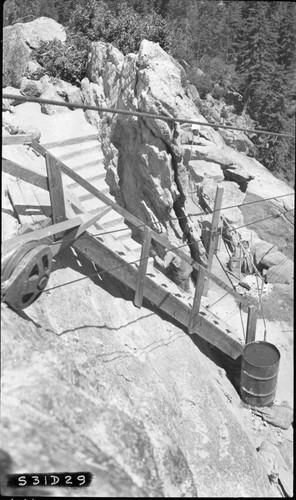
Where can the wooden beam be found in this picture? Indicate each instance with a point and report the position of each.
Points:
(69, 142)
(24, 173)
(213, 233)
(41, 234)
(251, 324)
(28, 228)
(9, 140)
(211, 328)
(143, 267)
(55, 186)
(194, 318)
(136, 222)
(28, 209)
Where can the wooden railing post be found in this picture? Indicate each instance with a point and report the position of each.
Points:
(213, 234)
(251, 324)
(56, 193)
(143, 267)
(194, 313)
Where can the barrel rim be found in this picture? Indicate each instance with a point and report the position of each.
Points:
(265, 343)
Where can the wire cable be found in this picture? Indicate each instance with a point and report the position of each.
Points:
(140, 114)
(243, 204)
(189, 215)
(261, 220)
(114, 268)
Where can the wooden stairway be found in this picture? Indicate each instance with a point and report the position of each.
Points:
(114, 252)
(87, 159)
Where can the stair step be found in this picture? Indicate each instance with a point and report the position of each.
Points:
(73, 140)
(96, 177)
(105, 209)
(132, 245)
(121, 233)
(114, 222)
(89, 196)
(97, 162)
(79, 152)
(93, 204)
(80, 190)
(89, 175)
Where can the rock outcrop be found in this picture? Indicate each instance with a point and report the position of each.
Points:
(89, 380)
(18, 42)
(158, 170)
(127, 396)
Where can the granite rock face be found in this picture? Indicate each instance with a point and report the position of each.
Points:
(18, 42)
(157, 169)
(127, 396)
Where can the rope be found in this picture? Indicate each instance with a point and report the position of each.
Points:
(139, 114)
(242, 321)
(240, 311)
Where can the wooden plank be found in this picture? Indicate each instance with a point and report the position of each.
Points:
(28, 228)
(41, 202)
(211, 328)
(55, 186)
(213, 237)
(24, 173)
(69, 142)
(25, 204)
(143, 267)
(136, 222)
(43, 233)
(18, 203)
(73, 200)
(194, 314)
(251, 324)
(9, 140)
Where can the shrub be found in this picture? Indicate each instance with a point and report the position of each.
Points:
(66, 61)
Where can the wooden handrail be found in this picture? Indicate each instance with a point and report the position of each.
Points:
(25, 173)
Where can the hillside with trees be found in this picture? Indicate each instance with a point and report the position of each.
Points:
(243, 48)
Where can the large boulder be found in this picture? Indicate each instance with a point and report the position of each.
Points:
(238, 174)
(7, 103)
(104, 67)
(154, 165)
(31, 88)
(261, 249)
(51, 94)
(18, 42)
(160, 90)
(231, 199)
(281, 273)
(150, 158)
(93, 95)
(199, 169)
(9, 123)
(273, 258)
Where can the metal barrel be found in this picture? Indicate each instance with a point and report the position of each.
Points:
(259, 372)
